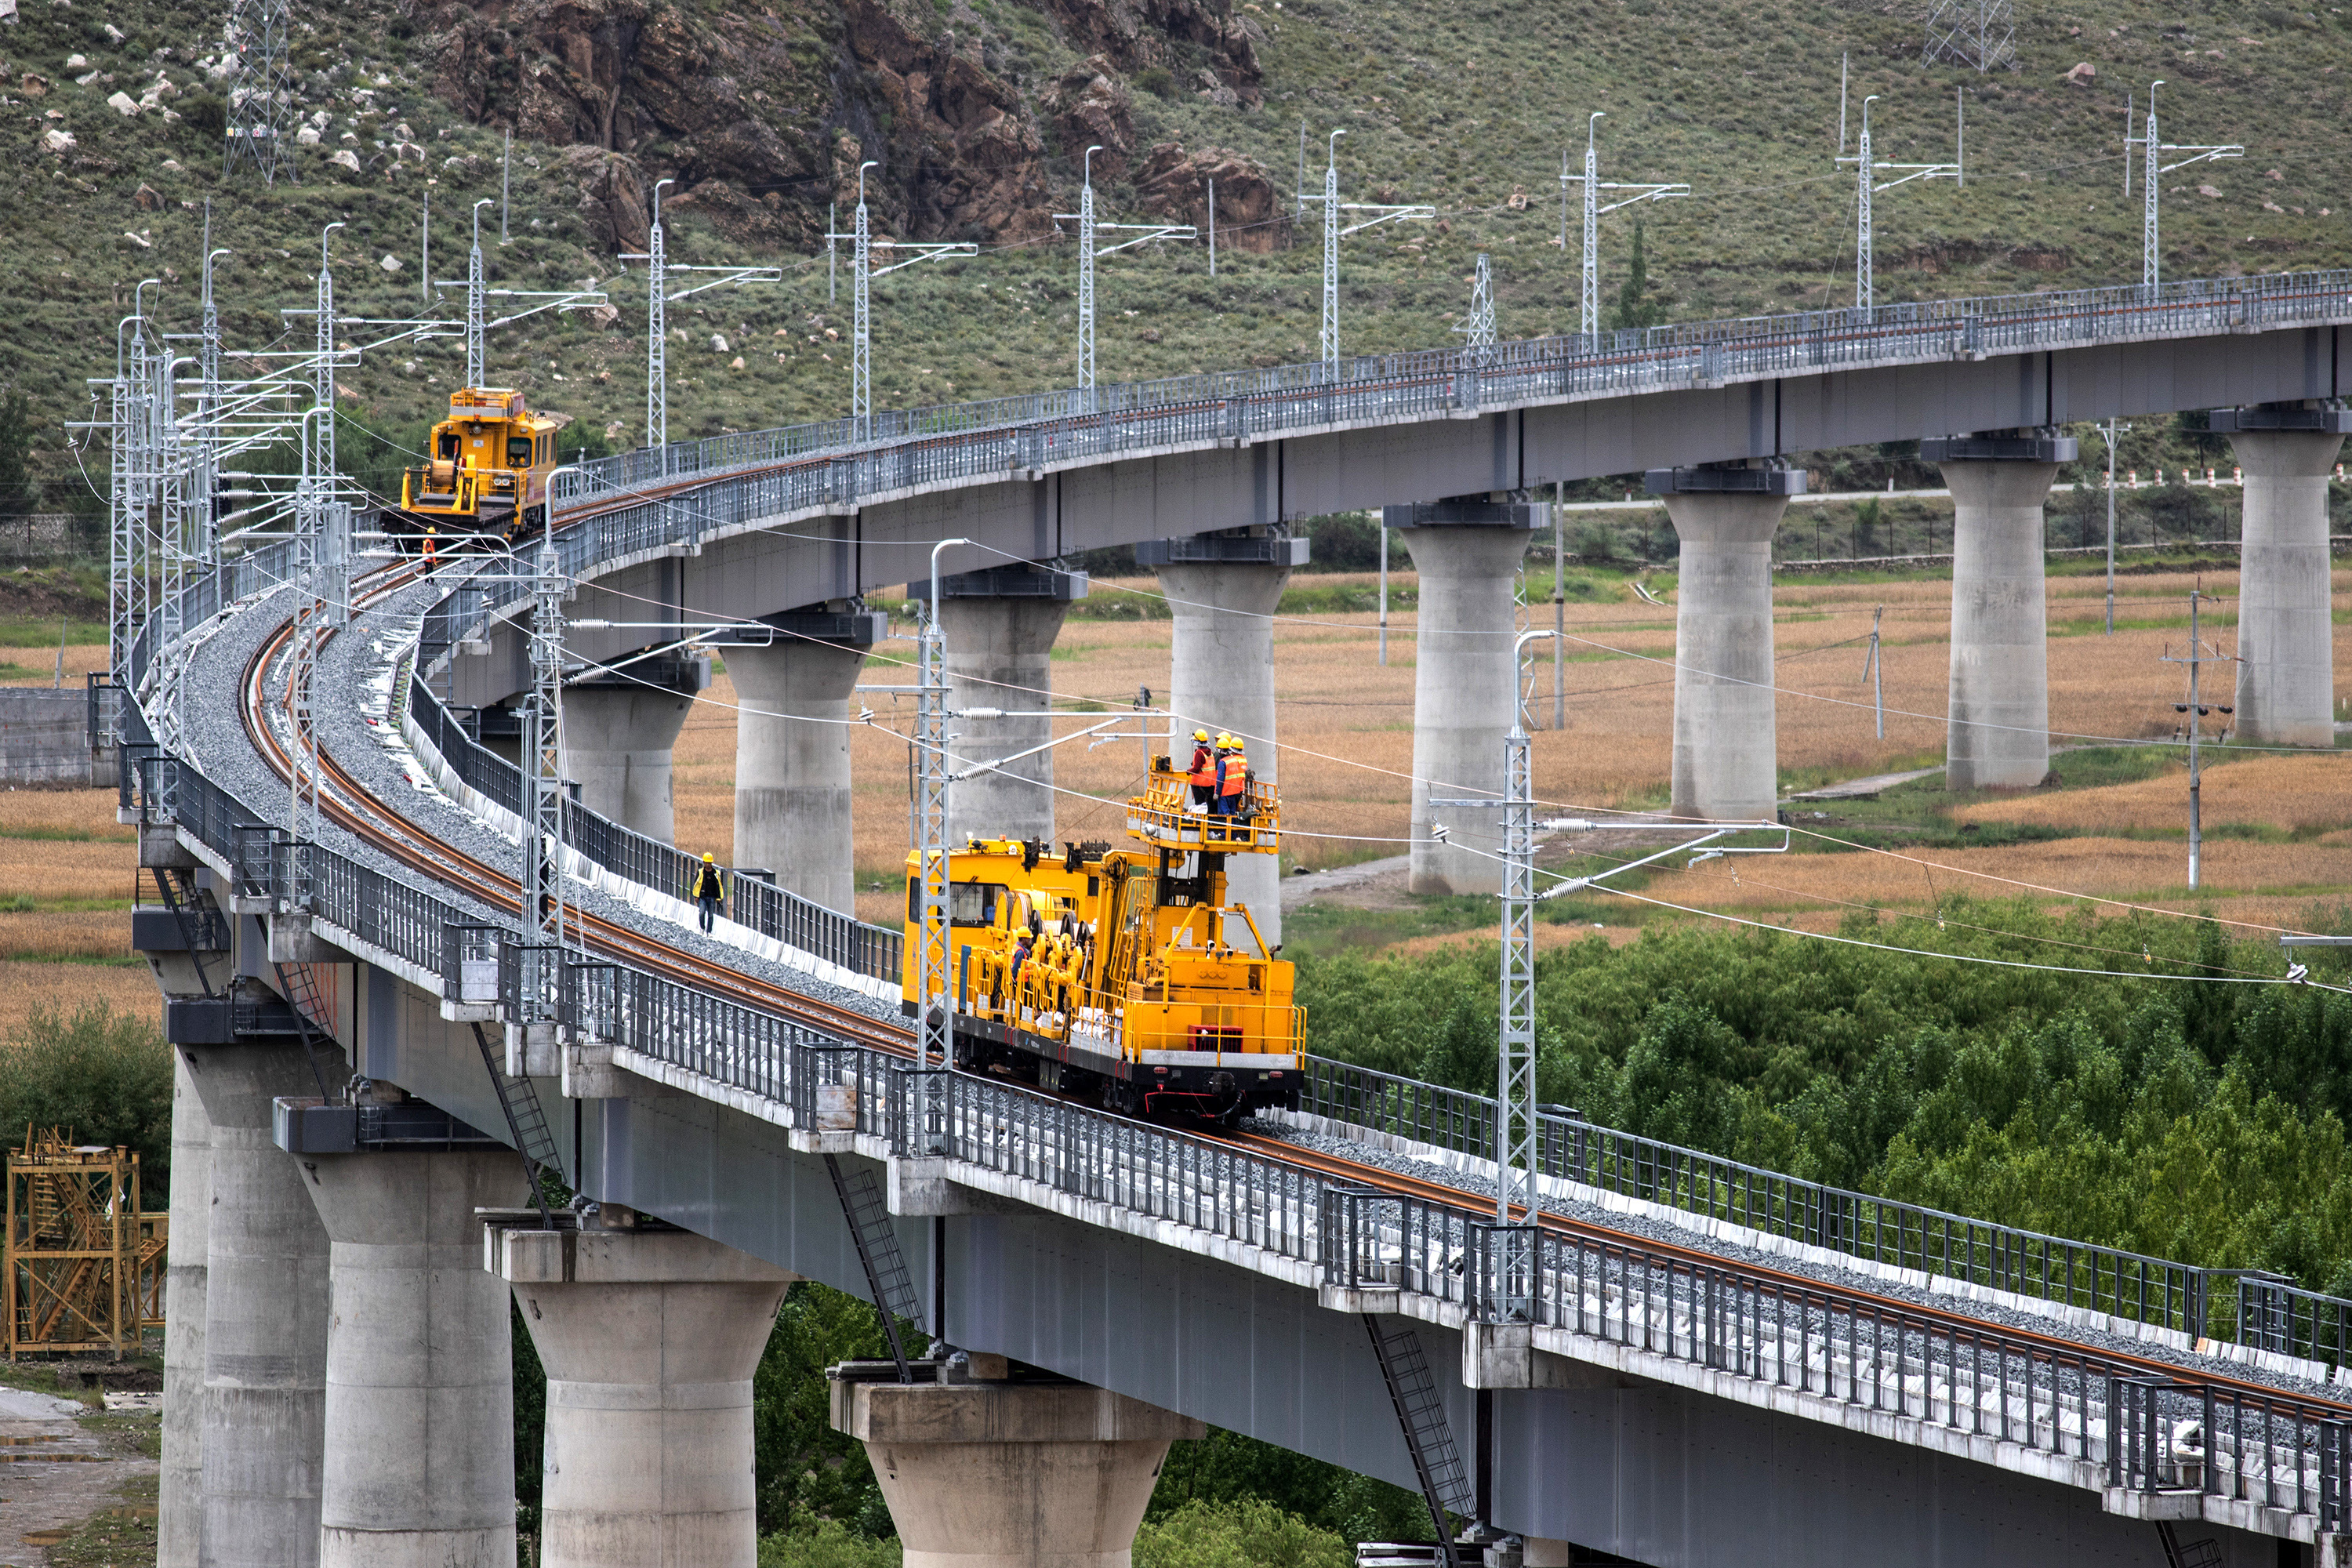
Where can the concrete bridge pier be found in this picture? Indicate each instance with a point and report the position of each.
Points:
(179, 1491)
(1222, 590)
(792, 748)
(2286, 643)
(1726, 750)
(1464, 688)
(1000, 624)
(419, 1420)
(1998, 733)
(987, 1473)
(617, 736)
(649, 1337)
(266, 1309)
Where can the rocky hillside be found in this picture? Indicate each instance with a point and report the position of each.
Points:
(976, 114)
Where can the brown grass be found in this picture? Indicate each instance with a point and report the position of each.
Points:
(53, 870)
(1347, 728)
(37, 665)
(26, 986)
(77, 813)
(66, 933)
(2313, 792)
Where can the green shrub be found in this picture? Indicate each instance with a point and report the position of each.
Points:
(830, 1545)
(1248, 1532)
(104, 1076)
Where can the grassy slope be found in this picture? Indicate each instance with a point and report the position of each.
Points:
(1459, 106)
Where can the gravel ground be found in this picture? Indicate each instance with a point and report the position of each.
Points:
(1657, 1230)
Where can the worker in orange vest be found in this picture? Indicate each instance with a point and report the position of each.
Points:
(432, 547)
(1203, 771)
(1233, 778)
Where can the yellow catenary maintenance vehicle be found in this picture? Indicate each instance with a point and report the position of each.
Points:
(1119, 973)
(486, 474)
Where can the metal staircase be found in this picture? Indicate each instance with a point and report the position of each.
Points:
(191, 912)
(1444, 1483)
(298, 983)
(877, 1249)
(518, 1100)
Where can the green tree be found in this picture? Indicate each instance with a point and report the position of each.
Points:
(1636, 306)
(1247, 1532)
(104, 1076)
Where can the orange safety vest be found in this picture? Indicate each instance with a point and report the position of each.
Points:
(1205, 765)
(1231, 773)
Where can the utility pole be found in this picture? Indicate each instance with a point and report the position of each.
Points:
(1594, 210)
(1866, 172)
(832, 222)
(1212, 228)
(1088, 229)
(2196, 711)
(505, 169)
(476, 302)
(1559, 608)
(657, 334)
(2152, 148)
(935, 993)
(425, 251)
(1845, 60)
(261, 94)
(1384, 589)
(862, 274)
(1875, 671)
(2111, 520)
(1333, 232)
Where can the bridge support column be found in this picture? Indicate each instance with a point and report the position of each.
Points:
(616, 744)
(1998, 734)
(1222, 589)
(419, 1422)
(265, 1314)
(1000, 624)
(2286, 682)
(990, 1474)
(1463, 688)
(792, 749)
(179, 1491)
(649, 1338)
(1727, 750)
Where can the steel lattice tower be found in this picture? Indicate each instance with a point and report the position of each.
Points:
(1981, 35)
(261, 101)
(1478, 328)
(1329, 347)
(657, 336)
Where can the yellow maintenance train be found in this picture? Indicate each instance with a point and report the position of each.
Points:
(1119, 973)
(486, 472)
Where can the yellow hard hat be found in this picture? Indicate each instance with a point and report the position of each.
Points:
(1199, 734)
(706, 857)
(1224, 739)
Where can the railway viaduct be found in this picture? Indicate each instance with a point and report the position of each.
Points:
(1686, 1362)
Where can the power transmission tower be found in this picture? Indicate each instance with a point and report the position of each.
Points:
(1866, 172)
(1334, 232)
(1088, 228)
(658, 267)
(261, 98)
(862, 274)
(1588, 321)
(1478, 328)
(1980, 35)
(934, 994)
(2153, 147)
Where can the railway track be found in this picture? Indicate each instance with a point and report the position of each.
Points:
(345, 801)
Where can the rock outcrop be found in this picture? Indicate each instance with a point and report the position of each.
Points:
(1136, 36)
(1089, 106)
(1175, 185)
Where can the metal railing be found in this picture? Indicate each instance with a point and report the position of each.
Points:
(2235, 1443)
(1881, 1230)
(992, 436)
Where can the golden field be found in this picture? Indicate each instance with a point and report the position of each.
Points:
(1347, 736)
(25, 987)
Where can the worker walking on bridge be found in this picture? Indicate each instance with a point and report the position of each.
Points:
(709, 890)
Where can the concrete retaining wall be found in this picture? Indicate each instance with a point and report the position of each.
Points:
(45, 739)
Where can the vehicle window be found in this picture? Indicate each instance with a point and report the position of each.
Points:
(974, 903)
(519, 453)
(448, 446)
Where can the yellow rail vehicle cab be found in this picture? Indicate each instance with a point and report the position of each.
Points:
(1119, 973)
(487, 469)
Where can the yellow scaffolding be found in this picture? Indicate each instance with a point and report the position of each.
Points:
(84, 1268)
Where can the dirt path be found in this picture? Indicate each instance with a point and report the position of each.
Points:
(56, 1474)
